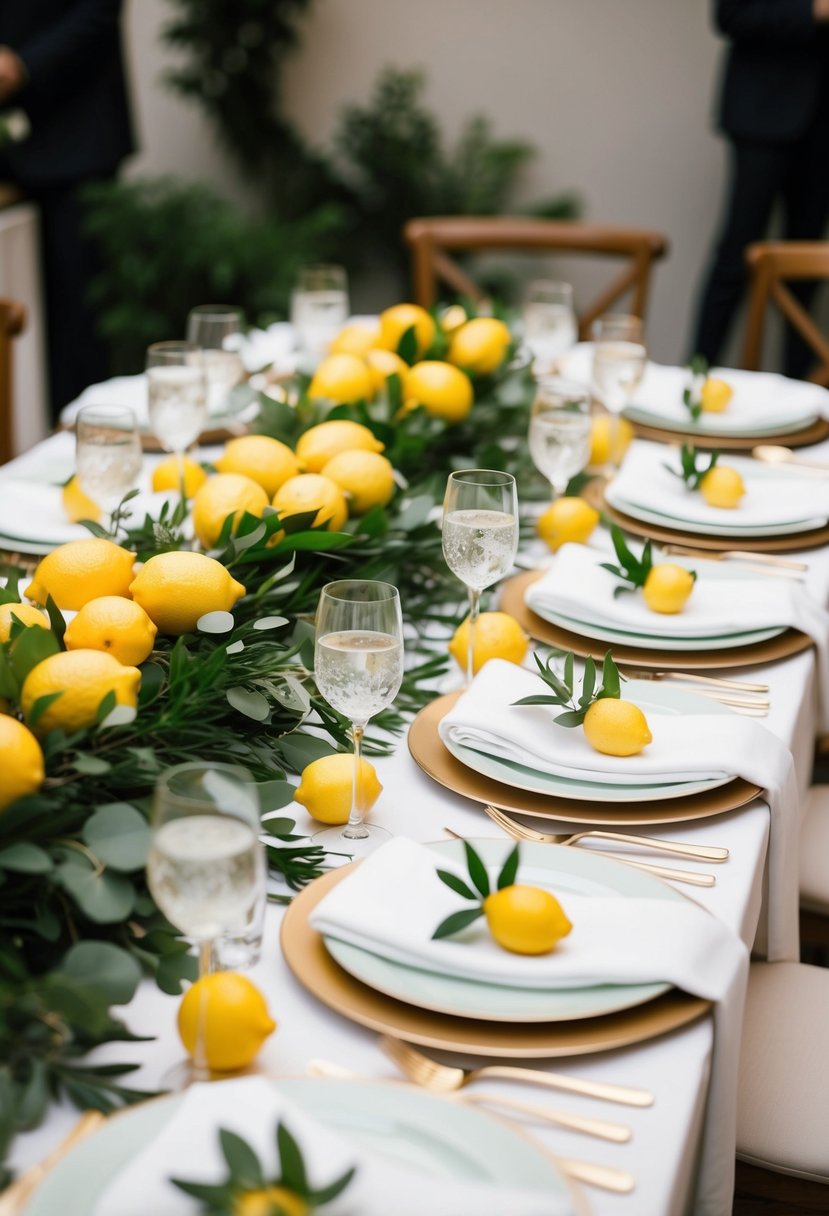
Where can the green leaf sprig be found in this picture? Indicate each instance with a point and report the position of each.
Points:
(477, 892)
(246, 1178)
(692, 395)
(632, 570)
(689, 471)
(563, 687)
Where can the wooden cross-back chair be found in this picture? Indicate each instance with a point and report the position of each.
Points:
(772, 265)
(12, 322)
(432, 240)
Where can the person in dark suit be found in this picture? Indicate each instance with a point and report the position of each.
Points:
(61, 65)
(774, 109)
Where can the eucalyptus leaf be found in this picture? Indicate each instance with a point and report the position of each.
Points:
(110, 971)
(216, 622)
(91, 766)
(271, 622)
(119, 835)
(105, 898)
(273, 795)
(251, 704)
(25, 858)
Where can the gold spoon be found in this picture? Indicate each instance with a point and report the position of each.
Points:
(774, 453)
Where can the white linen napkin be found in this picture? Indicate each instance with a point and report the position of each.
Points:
(684, 748)
(771, 498)
(392, 902)
(127, 391)
(188, 1147)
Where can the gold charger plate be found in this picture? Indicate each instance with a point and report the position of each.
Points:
(791, 542)
(307, 957)
(428, 751)
(512, 601)
(815, 432)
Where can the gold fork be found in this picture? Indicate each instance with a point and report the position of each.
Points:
(737, 555)
(691, 677)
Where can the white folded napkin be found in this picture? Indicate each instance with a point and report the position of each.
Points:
(686, 747)
(271, 347)
(32, 511)
(187, 1147)
(393, 901)
(771, 497)
(130, 392)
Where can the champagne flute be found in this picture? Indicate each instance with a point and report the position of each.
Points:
(358, 665)
(107, 453)
(206, 866)
(559, 435)
(480, 535)
(177, 396)
(319, 309)
(216, 329)
(549, 320)
(619, 359)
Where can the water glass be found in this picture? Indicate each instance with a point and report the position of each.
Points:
(216, 329)
(619, 358)
(560, 426)
(549, 321)
(177, 391)
(319, 310)
(107, 453)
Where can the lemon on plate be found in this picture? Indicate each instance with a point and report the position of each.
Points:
(395, 321)
(267, 1200)
(313, 492)
(342, 378)
(316, 446)
(366, 478)
(444, 391)
(602, 451)
(115, 625)
(25, 613)
(497, 636)
(667, 587)
(525, 919)
(480, 346)
(356, 338)
(325, 788)
(80, 571)
(264, 460)
(568, 519)
(223, 495)
(722, 486)
(77, 504)
(22, 770)
(382, 364)
(715, 395)
(175, 589)
(223, 1020)
(167, 476)
(616, 728)
(82, 678)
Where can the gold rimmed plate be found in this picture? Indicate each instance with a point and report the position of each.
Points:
(813, 432)
(789, 542)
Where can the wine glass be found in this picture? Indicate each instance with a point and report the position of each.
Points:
(549, 321)
(107, 453)
(358, 665)
(206, 866)
(177, 395)
(480, 535)
(560, 426)
(619, 359)
(216, 329)
(319, 309)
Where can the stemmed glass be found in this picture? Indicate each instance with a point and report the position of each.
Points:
(549, 321)
(206, 866)
(619, 359)
(319, 309)
(480, 535)
(215, 329)
(177, 395)
(107, 453)
(559, 435)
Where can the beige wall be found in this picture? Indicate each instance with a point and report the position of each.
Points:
(617, 96)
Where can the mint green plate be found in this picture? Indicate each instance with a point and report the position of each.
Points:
(605, 633)
(561, 870)
(434, 1135)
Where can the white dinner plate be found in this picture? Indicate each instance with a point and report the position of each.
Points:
(651, 516)
(605, 633)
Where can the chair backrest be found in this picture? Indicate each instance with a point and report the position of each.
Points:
(431, 241)
(12, 322)
(771, 264)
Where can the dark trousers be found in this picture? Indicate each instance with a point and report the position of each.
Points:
(760, 175)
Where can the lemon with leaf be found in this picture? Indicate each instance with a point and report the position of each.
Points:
(78, 680)
(80, 571)
(223, 1019)
(497, 636)
(22, 770)
(223, 495)
(567, 520)
(444, 391)
(344, 379)
(715, 395)
(25, 613)
(316, 446)
(722, 486)
(526, 919)
(480, 346)
(616, 728)
(667, 587)
(115, 625)
(175, 589)
(313, 492)
(366, 478)
(325, 788)
(395, 322)
(167, 475)
(266, 461)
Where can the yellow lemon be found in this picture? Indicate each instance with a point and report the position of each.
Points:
(223, 495)
(223, 1018)
(400, 317)
(480, 345)
(266, 461)
(117, 626)
(269, 1201)
(444, 391)
(667, 587)
(722, 486)
(342, 378)
(175, 589)
(20, 612)
(83, 678)
(600, 444)
(385, 363)
(568, 519)
(452, 318)
(366, 478)
(81, 571)
(78, 505)
(313, 492)
(616, 728)
(715, 395)
(318, 444)
(497, 636)
(358, 338)
(325, 788)
(167, 476)
(525, 920)
(22, 770)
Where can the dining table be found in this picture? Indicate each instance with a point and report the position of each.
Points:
(664, 1152)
